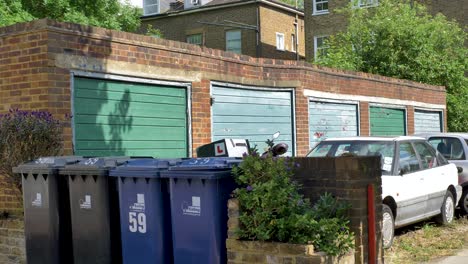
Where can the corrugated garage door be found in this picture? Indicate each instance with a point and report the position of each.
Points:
(252, 114)
(331, 120)
(387, 121)
(427, 121)
(123, 118)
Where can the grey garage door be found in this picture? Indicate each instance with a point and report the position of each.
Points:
(331, 120)
(252, 114)
(124, 118)
(427, 121)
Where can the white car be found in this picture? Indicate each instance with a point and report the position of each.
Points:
(417, 182)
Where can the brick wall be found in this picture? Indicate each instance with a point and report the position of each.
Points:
(347, 178)
(12, 249)
(453, 10)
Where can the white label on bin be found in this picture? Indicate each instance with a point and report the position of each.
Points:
(139, 206)
(194, 209)
(38, 201)
(220, 149)
(86, 204)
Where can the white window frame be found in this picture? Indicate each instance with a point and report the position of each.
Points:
(316, 49)
(280, 41)
(239, 50)
(365, 3)
(151, 3)
(193, 35)
(319, 12)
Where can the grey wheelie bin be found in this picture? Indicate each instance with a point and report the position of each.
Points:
(94, 210)
(144, 211)
(199, 191)
(46, 210)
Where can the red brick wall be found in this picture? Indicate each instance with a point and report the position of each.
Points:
(37, 59)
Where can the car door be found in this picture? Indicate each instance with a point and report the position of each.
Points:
(409, 186)
(455, 150)
(436, 179)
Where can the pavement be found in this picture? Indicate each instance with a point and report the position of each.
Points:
(460, 258)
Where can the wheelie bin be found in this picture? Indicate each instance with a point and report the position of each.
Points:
(47, 224)
(199, 191)
(94, 210)
(144, 211)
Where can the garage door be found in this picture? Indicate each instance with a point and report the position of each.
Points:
(427, 121)
(252, 114)
(123, 118)
(331, 120)
(387, 121)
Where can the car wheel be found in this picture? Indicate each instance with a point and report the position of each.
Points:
(447, 211)
(464, 202)
(388, 226)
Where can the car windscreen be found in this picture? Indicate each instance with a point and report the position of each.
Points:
(384, 149)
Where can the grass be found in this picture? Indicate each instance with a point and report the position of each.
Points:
(427, 242)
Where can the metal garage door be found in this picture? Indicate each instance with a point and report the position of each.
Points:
(252, 114)
(328, 119)
(427, 121)
(123, 118)
(387, 121)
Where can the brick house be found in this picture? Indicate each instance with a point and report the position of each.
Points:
(257, 28)
(322, 20)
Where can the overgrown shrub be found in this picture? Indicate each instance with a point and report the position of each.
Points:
(272, 209)
(27, 135)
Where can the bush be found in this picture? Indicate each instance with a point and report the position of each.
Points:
(271, 208)
(24, 136)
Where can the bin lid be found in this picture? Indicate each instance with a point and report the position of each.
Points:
(202, 168)
(143, 167)
(97, 165)
(46, 164)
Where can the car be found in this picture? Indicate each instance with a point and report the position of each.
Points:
(417, 182)
(454, 147)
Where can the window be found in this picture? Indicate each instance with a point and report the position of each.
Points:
(366, 3)
(234, 41)
(196, 39)
(293, 43)
(320, 47)
(150, 7)
(426, 154)
(450, 148)
(408, 161)
(320, 7)
(279, 41)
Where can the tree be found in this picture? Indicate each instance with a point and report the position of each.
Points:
(110, 14)
(401, 40)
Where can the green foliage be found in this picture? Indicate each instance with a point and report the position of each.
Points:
(154, 32)
(271, 208)
(26, 136)
(299, 3)
(401, 41)
(110, 14)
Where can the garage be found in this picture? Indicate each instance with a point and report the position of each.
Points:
(252, 113)
(115, 117)
(331, 119)
(386, 121)
(427, 121)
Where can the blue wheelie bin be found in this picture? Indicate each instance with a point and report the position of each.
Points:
(46, 210)
(199, 190)
(144, 211)
(94, 210)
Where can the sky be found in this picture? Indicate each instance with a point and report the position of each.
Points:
(137, 2)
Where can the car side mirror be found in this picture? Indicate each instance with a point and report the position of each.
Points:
(459, 169)
(402, 171)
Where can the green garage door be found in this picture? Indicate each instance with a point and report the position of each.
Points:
(331, 120)
(122, 118)
(387, 121)
(427, 121)
(252, 114)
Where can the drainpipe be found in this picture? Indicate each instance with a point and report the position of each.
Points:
(258, 50)
(296, 33)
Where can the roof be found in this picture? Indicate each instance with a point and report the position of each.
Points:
(363, 138)
(437, 134)
(219, 4)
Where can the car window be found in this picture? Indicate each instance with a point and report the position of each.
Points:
(450, 148)
(427, 155)
(408, 161)
(321, 150)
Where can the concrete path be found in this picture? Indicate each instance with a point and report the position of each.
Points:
(460, 258)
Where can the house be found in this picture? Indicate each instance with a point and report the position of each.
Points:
(258, 28)
(322, 19)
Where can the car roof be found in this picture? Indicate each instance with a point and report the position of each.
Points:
(373, 138)
(440, 134)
